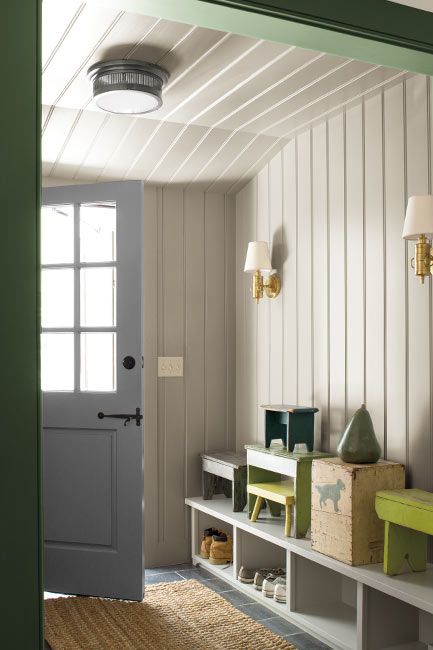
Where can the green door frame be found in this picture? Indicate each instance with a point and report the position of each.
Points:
(377, 31)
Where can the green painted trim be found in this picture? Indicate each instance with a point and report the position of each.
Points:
(327, 26)
(20, 471)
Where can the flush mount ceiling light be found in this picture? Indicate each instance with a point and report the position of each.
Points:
(127, 86)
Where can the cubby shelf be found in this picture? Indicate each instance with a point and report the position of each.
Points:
(343, 606)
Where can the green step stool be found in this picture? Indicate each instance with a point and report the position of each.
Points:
(408, 517)
(291, 424)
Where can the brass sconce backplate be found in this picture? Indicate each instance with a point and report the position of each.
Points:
(272, 286)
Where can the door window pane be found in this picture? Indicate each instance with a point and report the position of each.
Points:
(98, 297)
(57, 361)
(57, 234)
(98, 361)
(97, 232)
(57, 298)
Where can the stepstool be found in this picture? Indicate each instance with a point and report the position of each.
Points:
(226, 472)
(408, 517)
(280, 492)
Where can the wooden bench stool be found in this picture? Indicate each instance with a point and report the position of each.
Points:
(408, 517)
(226, 472)
(280, 492)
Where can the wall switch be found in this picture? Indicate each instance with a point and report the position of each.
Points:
(170, 366)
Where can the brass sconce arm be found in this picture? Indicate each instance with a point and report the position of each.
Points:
(271, 287)
(423, 258)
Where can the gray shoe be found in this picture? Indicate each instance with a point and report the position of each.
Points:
(246, 575)
(261, 574)
(270, 584)
(280, 590)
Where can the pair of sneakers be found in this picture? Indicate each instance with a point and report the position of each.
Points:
(270, 581)
(216, 546)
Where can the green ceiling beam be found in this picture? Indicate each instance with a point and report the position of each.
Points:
(376, 31)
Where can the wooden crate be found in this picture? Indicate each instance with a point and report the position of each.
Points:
(344, 524)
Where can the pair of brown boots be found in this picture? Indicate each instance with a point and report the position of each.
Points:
(216, 546)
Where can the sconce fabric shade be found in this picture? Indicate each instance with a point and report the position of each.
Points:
(419, 217)
(258, 258)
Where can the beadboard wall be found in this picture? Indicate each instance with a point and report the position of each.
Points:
(189, 304)
(352, 324)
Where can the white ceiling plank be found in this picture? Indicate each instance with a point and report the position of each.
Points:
(267, 79)
(191, 162)
(56, 132)
(57, 20)
(174, 154)
(73, 152)
(239, 76)
(351, 75)
(222, 157)
(89, 30)
(211, 69)
(299, 82)
(105, 142)
(126, 149)
(155, 150)
(199, 44)
(160, 42)
(335, 98)
(257, 147)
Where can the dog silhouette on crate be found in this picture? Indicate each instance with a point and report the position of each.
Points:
(331, 492)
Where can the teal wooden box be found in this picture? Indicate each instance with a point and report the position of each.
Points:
(291, 424)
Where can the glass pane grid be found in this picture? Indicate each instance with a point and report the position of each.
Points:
(79, 337)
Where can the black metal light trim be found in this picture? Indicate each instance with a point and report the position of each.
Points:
(128, 74)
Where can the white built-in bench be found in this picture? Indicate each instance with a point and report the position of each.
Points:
(346, 607)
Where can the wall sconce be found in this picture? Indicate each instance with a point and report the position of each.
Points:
(258, 260)
(418, 225)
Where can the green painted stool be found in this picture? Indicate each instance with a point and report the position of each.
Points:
(291, 424)
(280, 492)
(408, 517)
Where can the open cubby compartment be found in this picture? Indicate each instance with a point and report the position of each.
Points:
(201, 521)
(324, 601)
(393, 624)
(256, 553)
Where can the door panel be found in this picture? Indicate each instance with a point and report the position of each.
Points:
(92, 319)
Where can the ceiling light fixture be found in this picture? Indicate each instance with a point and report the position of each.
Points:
(127, 86)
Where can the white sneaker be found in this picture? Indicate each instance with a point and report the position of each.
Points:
(280, 590)
(269, 584)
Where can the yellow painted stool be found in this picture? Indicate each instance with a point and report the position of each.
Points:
(277, 492)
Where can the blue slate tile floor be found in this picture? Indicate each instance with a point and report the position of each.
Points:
(242, 602)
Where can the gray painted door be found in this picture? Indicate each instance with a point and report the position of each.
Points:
(91, 303)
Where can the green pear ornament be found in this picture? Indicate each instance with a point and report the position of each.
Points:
(358, 443)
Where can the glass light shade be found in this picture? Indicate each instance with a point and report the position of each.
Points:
(129, 102)
(258, 257)
(419, 217)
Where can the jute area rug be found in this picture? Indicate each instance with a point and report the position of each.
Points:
(173, 616)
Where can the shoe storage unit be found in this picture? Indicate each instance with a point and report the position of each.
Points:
(350, 608)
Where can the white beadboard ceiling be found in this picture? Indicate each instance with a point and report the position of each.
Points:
(230, 104)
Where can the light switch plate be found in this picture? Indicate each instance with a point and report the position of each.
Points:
(170, 366)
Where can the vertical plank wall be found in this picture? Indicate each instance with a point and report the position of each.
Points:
(189, 311)
(352, 323)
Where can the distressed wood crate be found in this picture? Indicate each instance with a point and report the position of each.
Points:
(344, 523)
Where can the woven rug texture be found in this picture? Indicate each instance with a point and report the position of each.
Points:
(183, 615)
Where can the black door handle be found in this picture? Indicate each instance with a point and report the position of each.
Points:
(123, 416)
